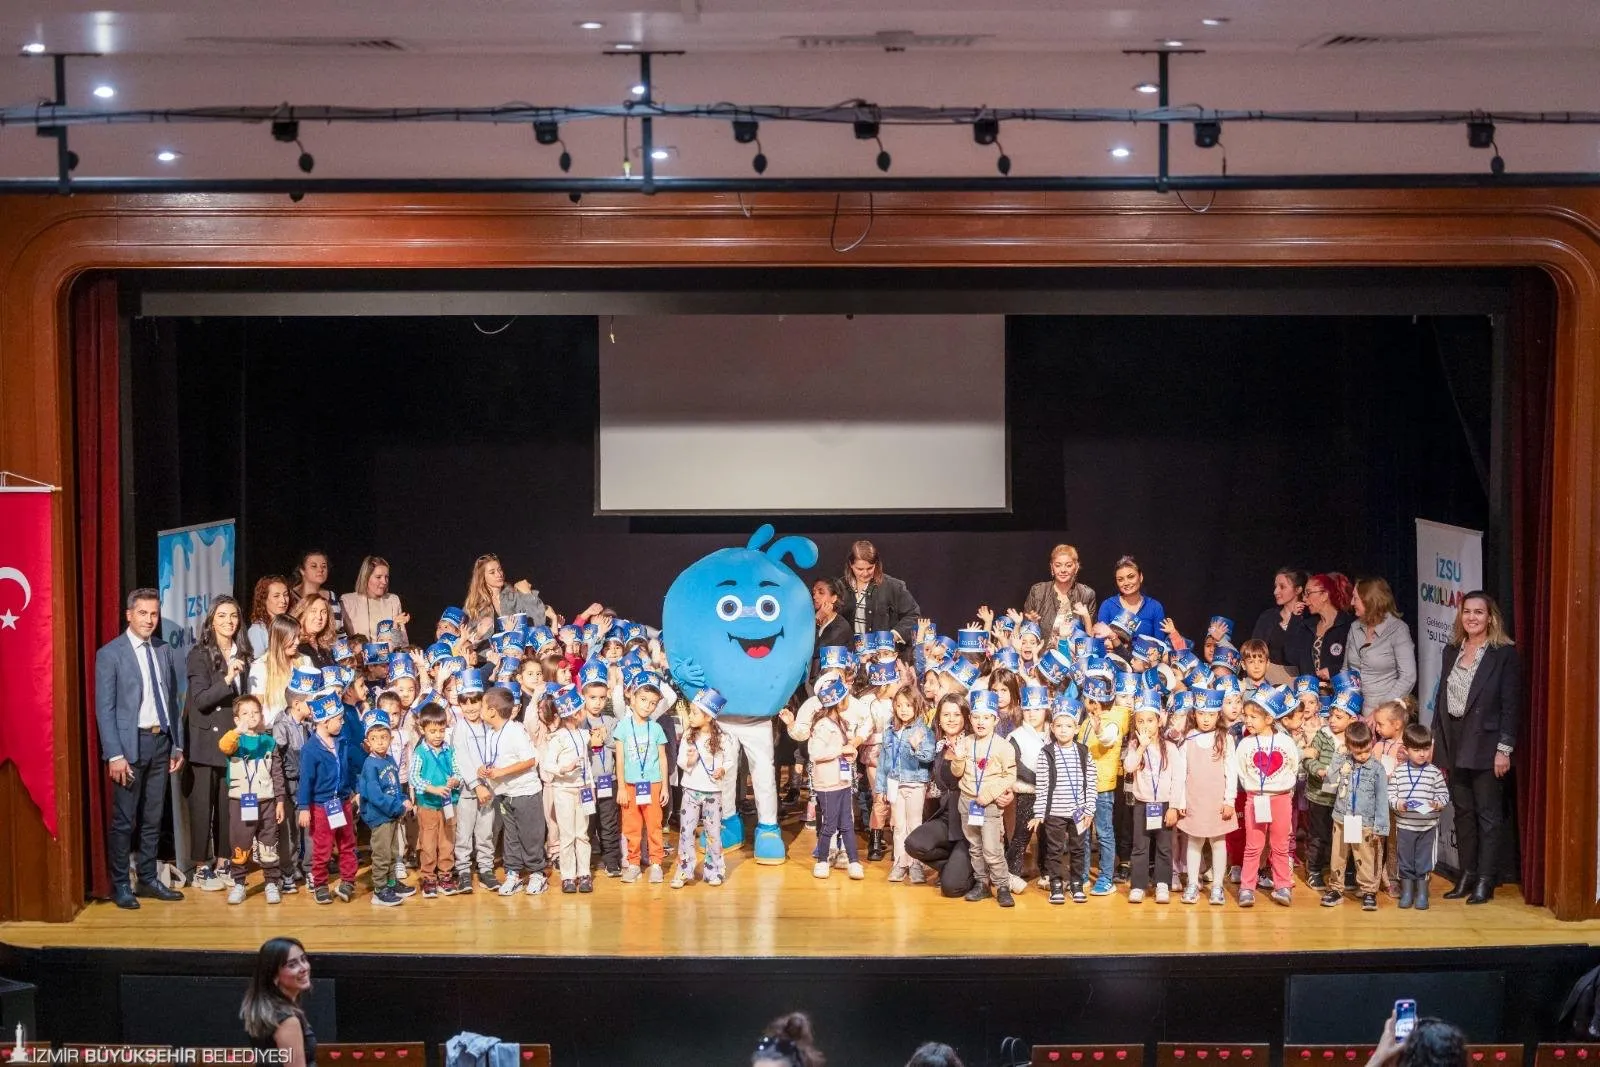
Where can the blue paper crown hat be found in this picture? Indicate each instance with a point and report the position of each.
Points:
(882, 673)
(1349, 678)
(1008, 659)
(972, 640)
(831, 690)
(1054, 667)
(1148, 699)
(324, 707)
(1067, 705)
(963, 671)
(470, 682)
(710, 701)
(1035, 697)
(1030, 627)
(1303, 684)
(453, 616)
(1098, 690)
(833, 657)
(568, 702)
(376, 653)
(401, 667)
(1183, 700)
(342, 649)
(593, 673)
(304, 682)
(1126, 621)
(1348, 700)
(375, 720)
(1207, 699)
(1226, 624)
(986, 702)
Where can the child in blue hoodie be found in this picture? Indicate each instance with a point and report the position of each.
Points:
(383, 802)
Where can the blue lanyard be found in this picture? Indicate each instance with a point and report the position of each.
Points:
(642, 749)
(705, 759)
(250, 768)
(1412, 782)
(1262, 747)
(1152, 773)
(580, 747)
(1355, 786)
(486, 757)
(977, 787)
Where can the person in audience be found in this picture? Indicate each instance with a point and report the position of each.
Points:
(371, 605)
(1278, 626)
(934, 1054)
(1433, 1043)
(269, 600)
(1055, 603)
(788, 1042)
(1145, 614)
(875, 601)
(1380, 645)
(1476, 711)
(218, 671)
(1319, 647)
(271, 1011)
(311, 579)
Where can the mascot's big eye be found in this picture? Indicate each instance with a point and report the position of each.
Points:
(767, 607)
(729, 608)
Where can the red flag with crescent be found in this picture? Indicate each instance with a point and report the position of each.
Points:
(27, 640)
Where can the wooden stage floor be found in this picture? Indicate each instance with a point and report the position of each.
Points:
(783, 911)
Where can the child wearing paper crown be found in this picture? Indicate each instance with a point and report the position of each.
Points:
(476, 822)
(1064, 804)
(1360, 815)
(324, 802)
(513, 776)
(566, 760)
(605, 826)
(908, 750)
(437, 788)
(833, 746)
(1029, 737)
(986, 766)
(1211, 786)
(290, 733)
(702, 762)
(1105, 722)
(641, 747)
(383, 803)
(1320, 789)
(255, 798)
(1156, 780)
(1269, 763)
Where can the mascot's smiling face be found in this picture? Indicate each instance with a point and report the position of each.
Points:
(743, 616)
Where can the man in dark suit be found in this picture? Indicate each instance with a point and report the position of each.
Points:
(141, 738)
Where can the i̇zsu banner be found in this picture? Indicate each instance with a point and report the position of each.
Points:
(27, 640)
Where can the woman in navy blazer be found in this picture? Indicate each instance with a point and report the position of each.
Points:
(1476, 711)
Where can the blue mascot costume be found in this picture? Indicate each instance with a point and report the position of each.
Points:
(740, 621)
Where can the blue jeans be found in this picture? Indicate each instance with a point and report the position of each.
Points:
(1105, 835)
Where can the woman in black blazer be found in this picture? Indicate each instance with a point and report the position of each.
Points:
(219, 670)
(1476, 710)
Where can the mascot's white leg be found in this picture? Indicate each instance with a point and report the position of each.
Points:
(754, 737)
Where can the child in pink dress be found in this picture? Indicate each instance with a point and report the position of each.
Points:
(1212, 774)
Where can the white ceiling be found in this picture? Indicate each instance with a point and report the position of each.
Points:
(456, 27)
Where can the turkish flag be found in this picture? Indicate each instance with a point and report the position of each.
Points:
(27, 633)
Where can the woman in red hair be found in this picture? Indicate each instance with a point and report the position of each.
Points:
(1320, 647)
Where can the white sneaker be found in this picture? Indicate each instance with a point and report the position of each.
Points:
(1043, 882)
(537, 883)
(857, 872)
(1191, 893)
(897, 873)
(272, 892)
(399, 871)
(630, 874)
(1135, 896)
(677, 880)
(821, 869)
(841, 859)
(655, 874)
(1163, 893)
(1018, 883)
(236, 894)
(1233, 874)
(509, 887)
(1218, 896)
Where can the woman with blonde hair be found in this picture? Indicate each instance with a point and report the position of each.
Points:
(269, 675)
(1476, 710)
(489, 596)
(371, 604)
(317, 630)
(1380, 645)
(1052, 604)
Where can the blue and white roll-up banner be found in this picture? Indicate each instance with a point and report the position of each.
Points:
(196, 567)
(1449, 565)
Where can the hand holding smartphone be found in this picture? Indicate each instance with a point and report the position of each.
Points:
(1405, 1019)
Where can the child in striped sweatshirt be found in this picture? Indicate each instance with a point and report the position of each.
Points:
(1417, 793)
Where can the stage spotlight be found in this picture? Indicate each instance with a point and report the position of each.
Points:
(1120, 152)
(1148, 88)
(576, 198)
(34, 48)
(986, 131)
(745, 131)
(1003, 164)
(866, 129)
(286, 131)
(1207, 134)
(306, 162)
(1480, 135)
(637, 90)
(884, 160)
(547, 132)
(759, 163)
(104, 92)
(167, 155)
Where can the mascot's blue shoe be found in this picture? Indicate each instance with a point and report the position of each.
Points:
(769, 844)
(732, 832)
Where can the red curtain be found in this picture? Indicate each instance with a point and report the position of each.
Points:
(1530, 341)
(97, 393)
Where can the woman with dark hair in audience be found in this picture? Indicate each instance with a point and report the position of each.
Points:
(1278, 624)
(371, 605)
(1130, 598)
(1319, 646)
(1380, 645)
(269, 600)
(271, 1011)
(219, 672)
(788, 1042)
(934, 1054)
(1432, 1043)
(941, 840)
(874, 601)
(1476, 711)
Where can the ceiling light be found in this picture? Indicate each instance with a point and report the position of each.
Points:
(104, 92)
(1173, 42)
(591, 25)
(167, 155)
(1120, 152)
(1213, 21)
(623, 46)
(34, 48)
(1147, 87)
(638, 90)
(660, 153)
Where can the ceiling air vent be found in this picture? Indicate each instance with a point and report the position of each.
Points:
(1349, 41)
(304, 44)
(888, 40)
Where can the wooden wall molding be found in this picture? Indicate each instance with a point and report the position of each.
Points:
(45, 243)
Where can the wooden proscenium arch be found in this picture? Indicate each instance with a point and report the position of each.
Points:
(45, 243)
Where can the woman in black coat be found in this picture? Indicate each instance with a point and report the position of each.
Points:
(941, 841)
(1476, 711)
(219, 670)
(886, 602)
(1317, 647)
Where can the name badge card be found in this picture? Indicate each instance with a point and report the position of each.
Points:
(893, 788)
(1352, 828)
(449, 810)
(586, 800)
(974, 814)
(605, 785)
(1152, 816)
(1262, 805)
(249, 807)
(335, 812)
(844, 766)
(641, 794)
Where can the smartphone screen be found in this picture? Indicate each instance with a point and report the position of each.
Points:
(1405, 1018)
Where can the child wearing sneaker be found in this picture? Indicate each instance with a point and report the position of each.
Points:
(255, 797)
(1063, 803)
(641, 752)
(703, 763)
(605, 826)
(512, 773)
(1105, 723)
(289, 734)
(1156, 780)
(832, 748)
(1417, 794)
(436, 788)
(566, 760)
(475, 815)
(908, 749)
(1211, 786)
(986, 766)
(1360, 814)
(324, 802)
(1269, 765)
(383, 802)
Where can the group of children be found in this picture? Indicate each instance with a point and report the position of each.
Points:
(532, 749)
